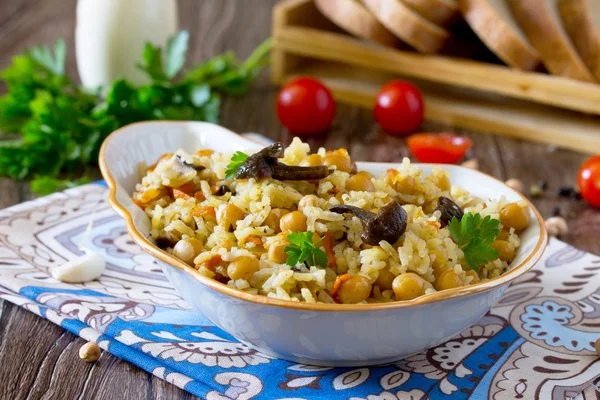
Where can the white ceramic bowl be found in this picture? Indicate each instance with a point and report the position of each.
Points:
(318, 334)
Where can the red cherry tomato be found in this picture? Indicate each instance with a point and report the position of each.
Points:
(305, 106)
(443, 148)
(399, 108)
(589, 181)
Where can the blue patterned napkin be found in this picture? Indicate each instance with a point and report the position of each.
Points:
(537, 342)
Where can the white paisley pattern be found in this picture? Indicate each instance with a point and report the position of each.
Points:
(215, 351)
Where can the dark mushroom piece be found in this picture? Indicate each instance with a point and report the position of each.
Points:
(388, 224)
(198, 168)
(264, 164)
(449, 210)
(222, 190)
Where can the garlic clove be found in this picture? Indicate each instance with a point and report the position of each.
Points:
(86, 268)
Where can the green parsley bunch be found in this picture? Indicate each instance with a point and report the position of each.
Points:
(59, 126)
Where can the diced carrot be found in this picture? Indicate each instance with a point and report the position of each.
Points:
(254, 239)
(199, 196)
(204, 152)
(210, 264)
(139, 203)
(338, 283)
(434, 223)
(179, 194)
(151, 194)
(328, 244)
(200, 211)
(187, 188)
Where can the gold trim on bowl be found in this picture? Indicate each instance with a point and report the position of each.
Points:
(167, 258)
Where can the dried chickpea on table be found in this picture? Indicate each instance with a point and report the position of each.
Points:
(302, 226)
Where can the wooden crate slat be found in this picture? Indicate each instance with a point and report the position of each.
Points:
(509, 118)
(324, 44)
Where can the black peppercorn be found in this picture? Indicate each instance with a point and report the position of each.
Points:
(564, 191)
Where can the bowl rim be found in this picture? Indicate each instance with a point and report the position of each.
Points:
(435, 297)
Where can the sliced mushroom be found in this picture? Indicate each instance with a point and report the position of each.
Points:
(388, 224)
(273, 151)
(222, 190)
(198, 168)
(449, 210)
(264, 164)
(292, 173)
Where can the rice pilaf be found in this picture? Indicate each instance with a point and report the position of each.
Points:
(238, 231)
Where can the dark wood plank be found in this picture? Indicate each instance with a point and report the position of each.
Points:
(39, 360)
(38, 343)
(533, 163)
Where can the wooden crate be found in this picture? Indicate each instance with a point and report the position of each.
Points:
(459, 92)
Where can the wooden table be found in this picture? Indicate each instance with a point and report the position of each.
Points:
(40, 360)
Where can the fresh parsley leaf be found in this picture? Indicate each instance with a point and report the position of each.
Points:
(176, 49)
(43, 56)
(237, 160)
(226, 74)
(152, 63)
(478, 252)
(301, 248)
(200, 95)
(161, 70)
(474, 235)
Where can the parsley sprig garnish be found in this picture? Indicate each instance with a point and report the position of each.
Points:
(237, 160)
(302, 249)
(474, 235)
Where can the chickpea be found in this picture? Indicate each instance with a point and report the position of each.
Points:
(472, 164)
(556, 226)
(360, 183)
(339, 159)
(308, 201)
(89, 352)
(243, 268)
(277, 253)
(438, 264)
(504, 234)
(515, 216)
(225, 242)
(186, 250)
(449, 279)
(365, 173)
(506, 250)
(274, 217)
(405, 184)
(293, 222)
(515, 184)
(354, 290)
(408, 286)
(475, 279)
(313, 160)
(385, 279)
(229, 215)
(196, 244)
